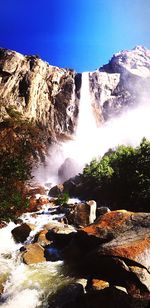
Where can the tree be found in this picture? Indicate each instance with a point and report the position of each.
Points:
(121, 178)
(21, 144)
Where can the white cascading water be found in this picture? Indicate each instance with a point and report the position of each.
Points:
(27, 286)
(86, 121)
(79, 149)
(91, 141)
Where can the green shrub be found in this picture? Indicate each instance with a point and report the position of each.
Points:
(62, 199)
(121, 179)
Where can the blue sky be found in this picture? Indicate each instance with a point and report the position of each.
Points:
(79, 34)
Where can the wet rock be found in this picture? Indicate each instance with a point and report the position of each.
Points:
(51, 253)
(21, 233)
(34, 254)
(56, 190)
(71, 186)
(41, 239)
(35, 203)
(68, 296)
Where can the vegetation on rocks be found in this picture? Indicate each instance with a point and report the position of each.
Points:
(21, 143)
(121, 179)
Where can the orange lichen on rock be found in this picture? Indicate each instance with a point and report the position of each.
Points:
(131, 250)
(99, 284)
(109, 221)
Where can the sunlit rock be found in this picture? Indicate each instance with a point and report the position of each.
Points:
(41, 239)
(49, 95)
(34, 253)
(96, 284)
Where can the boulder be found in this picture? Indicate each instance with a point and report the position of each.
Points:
(21, 233)
(33, 253)
(115, 248)
(55, 191)
(85, 213)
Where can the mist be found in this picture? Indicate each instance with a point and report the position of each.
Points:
(67, 159)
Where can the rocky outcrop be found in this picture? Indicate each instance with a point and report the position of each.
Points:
(115, 249)
(43, 93)
(121, 83)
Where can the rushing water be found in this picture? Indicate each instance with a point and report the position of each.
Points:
(28, 286)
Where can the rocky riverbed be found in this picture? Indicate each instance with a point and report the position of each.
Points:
(64, 259)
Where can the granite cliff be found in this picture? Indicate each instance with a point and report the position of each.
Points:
(50, 95)
(44, 94)
(122, 83)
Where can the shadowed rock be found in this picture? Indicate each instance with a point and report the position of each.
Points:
(21, 233)
(116, 248)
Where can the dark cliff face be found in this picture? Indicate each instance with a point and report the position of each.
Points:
(122, 83)
(42, 93)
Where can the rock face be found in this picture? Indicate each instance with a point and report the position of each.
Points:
(121, 83)
(50, 95)
(46, 94)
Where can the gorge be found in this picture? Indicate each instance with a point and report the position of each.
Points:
(78, 117)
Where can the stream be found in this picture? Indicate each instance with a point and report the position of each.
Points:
(28, 285)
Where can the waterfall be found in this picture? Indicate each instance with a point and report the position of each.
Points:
(80, 149)
(76, 152)
(91, 141)
(86, 120)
